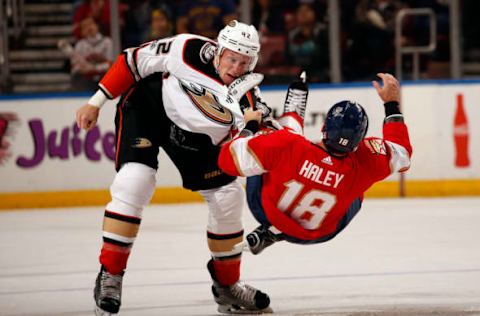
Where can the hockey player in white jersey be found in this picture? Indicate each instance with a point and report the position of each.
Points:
(175, 95)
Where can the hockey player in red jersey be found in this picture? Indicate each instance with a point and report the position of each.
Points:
(306, 192)
(182, 94)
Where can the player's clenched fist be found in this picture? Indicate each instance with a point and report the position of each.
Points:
(390, 91)
(252, 115)
(87, 116)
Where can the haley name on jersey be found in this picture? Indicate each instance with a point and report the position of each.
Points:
(193, 94)
(306, 191)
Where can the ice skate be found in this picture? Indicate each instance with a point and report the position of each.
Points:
(297, 95)
(261, 238)
(107, 293)
(239, 298)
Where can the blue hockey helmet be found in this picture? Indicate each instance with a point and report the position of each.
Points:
(345, 127)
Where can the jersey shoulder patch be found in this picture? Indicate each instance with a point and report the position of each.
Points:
(376, 146)
(207, 52)
(199, 54)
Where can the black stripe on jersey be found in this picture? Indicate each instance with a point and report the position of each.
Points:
(134, 58)
(116, 242)
(128, 66)
(123, 218)
(104, 90)
(191, 55)
(223, 237)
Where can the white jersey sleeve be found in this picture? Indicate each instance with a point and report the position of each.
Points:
(185, 56)
(399, 157)
(152, 57)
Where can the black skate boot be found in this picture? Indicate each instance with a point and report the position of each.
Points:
(261, 238)
(297, 95)
(239, 298)
(107, 293)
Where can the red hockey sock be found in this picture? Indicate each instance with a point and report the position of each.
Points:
(227, 272)
(114, 258)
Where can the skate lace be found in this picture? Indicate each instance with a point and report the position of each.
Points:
(110, 285)
(298, 99)
(244, 292)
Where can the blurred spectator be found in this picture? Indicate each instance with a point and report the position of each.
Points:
(421, 34)
(436, 64)
(160, 25)
(372, 39)
(138, 20)
(91, 57)
(205, 17)
(289, 9)
(267, 16)
(378, 13)
(416, 32)
(308, 44)
(99, 10)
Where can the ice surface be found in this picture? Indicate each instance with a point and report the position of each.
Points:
(398, 257)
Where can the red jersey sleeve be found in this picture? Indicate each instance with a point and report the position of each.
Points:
(118, 78)
(381, 157)
(248, 156)
(397, 133)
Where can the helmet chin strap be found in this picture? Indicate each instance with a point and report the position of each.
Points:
(216, 57)
(216, 63)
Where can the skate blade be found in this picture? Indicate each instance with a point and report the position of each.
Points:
(229, 309)
(101, 312)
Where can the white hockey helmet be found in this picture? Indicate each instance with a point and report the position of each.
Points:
(240, 38)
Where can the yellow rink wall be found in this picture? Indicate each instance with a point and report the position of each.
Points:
(50, 163)
(100, 198)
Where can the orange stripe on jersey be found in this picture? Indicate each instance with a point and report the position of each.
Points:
(118, 78)
(235, 161)
(254, 155)
(250, 100)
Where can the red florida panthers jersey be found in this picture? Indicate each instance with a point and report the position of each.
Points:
(306, 191)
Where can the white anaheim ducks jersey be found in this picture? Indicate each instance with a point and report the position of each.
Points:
(197, 109)
(194, 96)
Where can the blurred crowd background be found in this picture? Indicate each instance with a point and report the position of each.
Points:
(67, 45)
